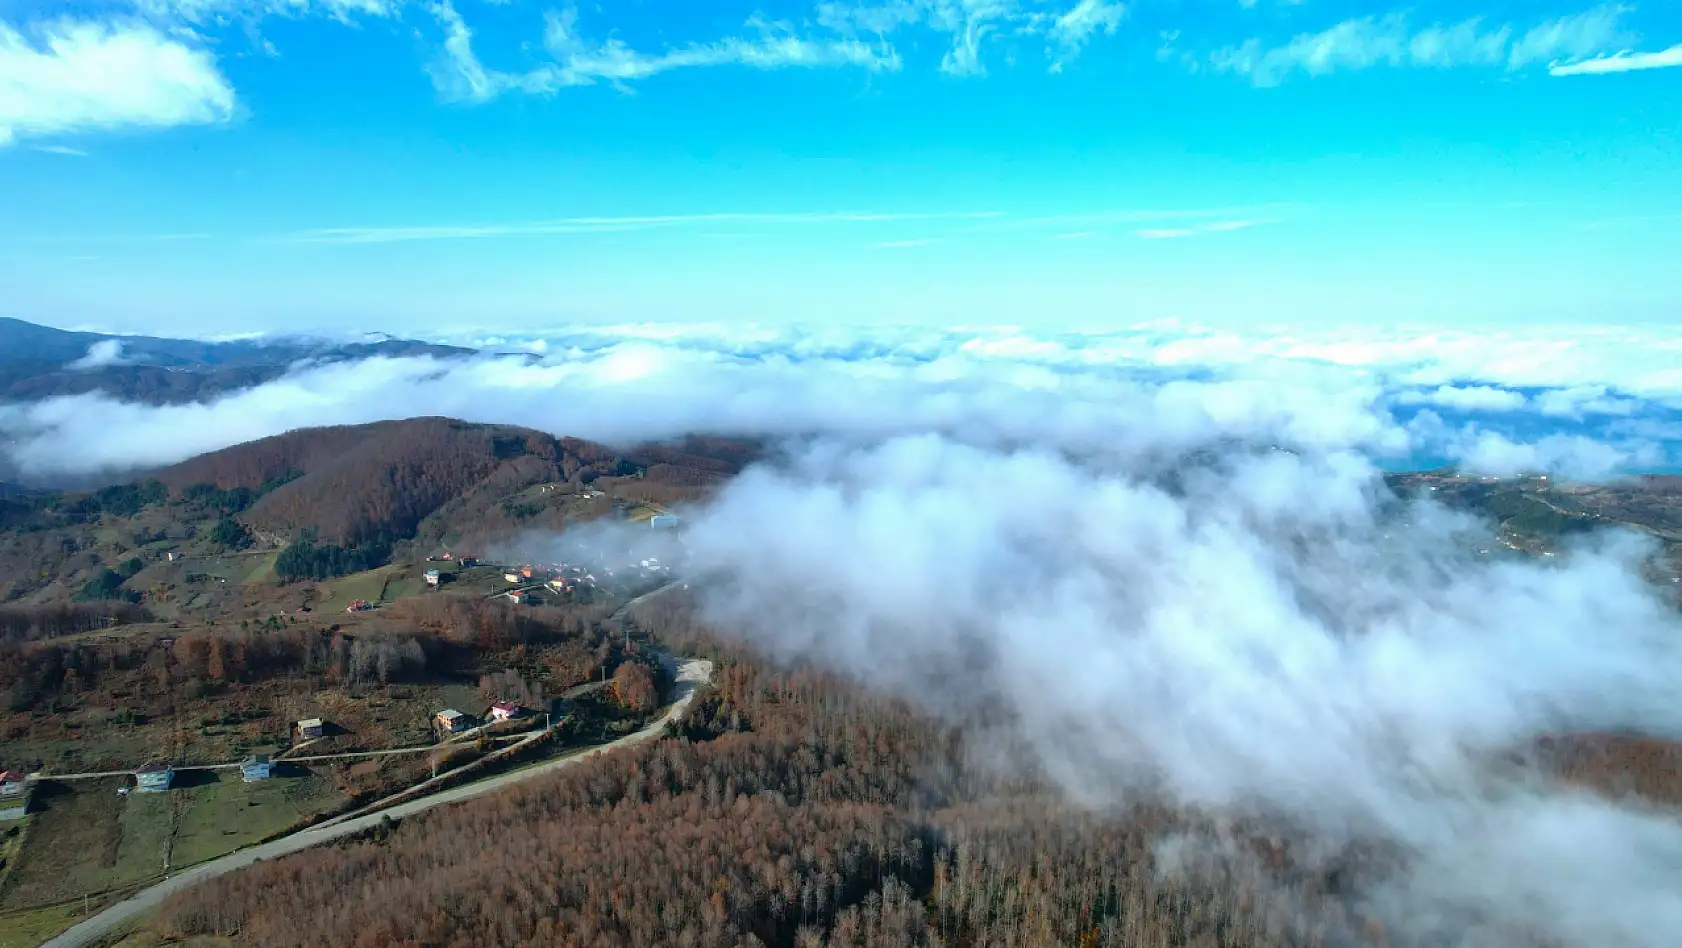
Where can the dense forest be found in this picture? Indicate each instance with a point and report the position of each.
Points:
(786, 809)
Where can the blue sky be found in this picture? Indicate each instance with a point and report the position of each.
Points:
(227, 165)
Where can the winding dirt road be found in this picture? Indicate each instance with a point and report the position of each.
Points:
(690, 674)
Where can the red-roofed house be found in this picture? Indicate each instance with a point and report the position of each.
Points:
(505, 710)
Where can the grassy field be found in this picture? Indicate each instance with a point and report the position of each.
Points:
(87, 839)
(224, 813)
(28, 929)
(260, 569)
(401, 587)
(335, 595)
(146, 823)
(73, 845)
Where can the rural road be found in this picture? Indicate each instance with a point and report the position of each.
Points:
(618, 616)
(690, 673)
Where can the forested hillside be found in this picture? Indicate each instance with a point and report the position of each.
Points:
(791, 809)
(340, 500)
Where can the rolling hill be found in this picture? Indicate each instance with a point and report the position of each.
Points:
(39, 362)
(357, 496)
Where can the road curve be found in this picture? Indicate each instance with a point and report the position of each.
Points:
(690, 673)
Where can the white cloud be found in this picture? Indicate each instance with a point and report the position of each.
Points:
(102, 353)
(1581, 401)
(1193, 230)
(1571, 456)
(61, 150)
(1262, 637)
(971, 26)
(1072, 28)
(1624, 61)
(1332, 390)
(1467, 398)
(1391, 40)
(76, 76)
(211, 11)
(577, 61)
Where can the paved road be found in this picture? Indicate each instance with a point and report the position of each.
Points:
(690, 673)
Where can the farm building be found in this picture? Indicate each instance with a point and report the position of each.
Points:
(433, 577)
(154, 776)
(15, 790)
(451, 721)
(256, 767)
(512, 576)
(664, 522)
(506, 710)
(311, 728)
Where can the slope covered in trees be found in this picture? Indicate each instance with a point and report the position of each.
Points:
(376, 483)
(788, 809)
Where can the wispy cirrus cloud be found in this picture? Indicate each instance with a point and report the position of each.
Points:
(588, 225)
(1624, 61)
(1194, 230)
(459, 74)
(204, 12)
(970, 27)
(70, 76)
(1394, 41)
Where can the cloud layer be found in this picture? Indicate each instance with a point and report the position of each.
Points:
(1574, 404)
(1264, 636)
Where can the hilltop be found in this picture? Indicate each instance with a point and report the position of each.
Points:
(341, 499)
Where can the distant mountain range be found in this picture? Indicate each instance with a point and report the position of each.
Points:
(41, 362)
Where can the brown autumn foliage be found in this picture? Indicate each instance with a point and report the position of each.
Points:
(634, 687)
(790, 809)
(416, 640)
(383, 480)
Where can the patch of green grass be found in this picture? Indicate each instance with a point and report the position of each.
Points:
(338, 593)
(261, 569)
(146, 822)
(403, 588)
(28, 929)
(72, 846)
(226, 813)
